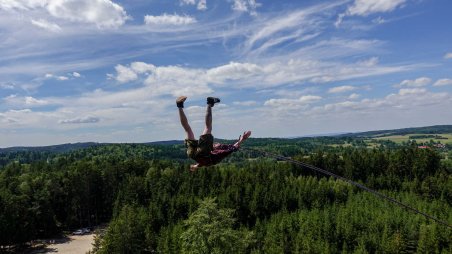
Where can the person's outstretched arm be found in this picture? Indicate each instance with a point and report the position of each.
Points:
(221, 151)
(245, 136)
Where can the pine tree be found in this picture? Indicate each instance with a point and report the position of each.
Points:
(210, 230)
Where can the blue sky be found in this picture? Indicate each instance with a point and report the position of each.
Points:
(109, 71)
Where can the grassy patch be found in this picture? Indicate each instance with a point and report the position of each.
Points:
(405, 138)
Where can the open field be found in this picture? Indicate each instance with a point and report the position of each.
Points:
(341, 145)
(405, 138)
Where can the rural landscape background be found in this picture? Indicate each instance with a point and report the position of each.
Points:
(91, 143)
(248, 204)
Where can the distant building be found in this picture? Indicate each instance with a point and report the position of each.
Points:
(440, 145)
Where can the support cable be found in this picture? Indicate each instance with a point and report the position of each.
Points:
(376, 193)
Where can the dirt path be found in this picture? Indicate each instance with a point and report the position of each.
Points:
(76, 244)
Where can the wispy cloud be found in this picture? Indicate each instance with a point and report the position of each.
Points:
(44, 24)
(354, 96)
(7, 85)
(303, 100)
(367, 7)
(443, 82)
(25, 102)
(419, 82)
(246, 6)
(448, 56)
(288, 26)
(406, 98)
(169, 19)
(165, 79)
(341, 89)
(81, 120)
(200, 4)
(62, 77)
(245, 103)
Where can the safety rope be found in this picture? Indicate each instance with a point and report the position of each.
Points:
(376, 193)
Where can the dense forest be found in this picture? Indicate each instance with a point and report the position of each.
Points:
(247, 204)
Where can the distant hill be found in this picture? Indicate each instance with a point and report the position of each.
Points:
(167, 142)
(53, 149)
(437, 129)
(63, 148)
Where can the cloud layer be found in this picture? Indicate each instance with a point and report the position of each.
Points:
(102, 13)
(105, 71)
(367, 7)
(168, 19)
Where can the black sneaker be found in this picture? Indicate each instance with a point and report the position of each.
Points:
(212, 100)
(180, 101)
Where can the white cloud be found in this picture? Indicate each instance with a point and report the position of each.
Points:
(51, 76)
(246, 6)
(125, 74)
(102, 13)
(169, 19)
(170, 79)
(292, 103)
(141, 67)
(373, 61)
(62, 78)
(292, 27)
(22, 4)
(419, 82)
(10, 98)
(379, 20)
(233, 71)
(448, 56)
(192, 2)
(354, 96)
(245, 103)
(76, 74)
(176, 80)
(167, 79)
(28, 101)
(44, 24)
(202, 5)
(341, 89)
(240, 5)
(367, 7)
(34, 102)
(309, 98)
(443, 82)
(80, 120)
(9, 86)
(403, 102)
(409, 91)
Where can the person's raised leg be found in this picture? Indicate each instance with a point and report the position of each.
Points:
(183, 118)
(210, 103)
(208, 127)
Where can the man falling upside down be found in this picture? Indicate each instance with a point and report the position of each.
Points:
(204, 151)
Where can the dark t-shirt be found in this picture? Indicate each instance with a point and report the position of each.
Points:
(219, 152)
